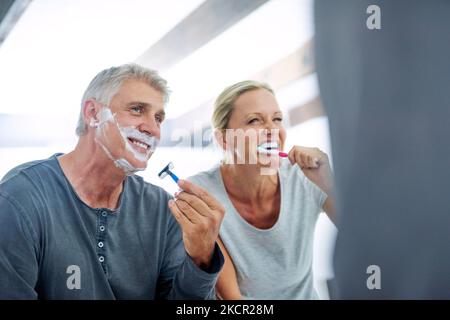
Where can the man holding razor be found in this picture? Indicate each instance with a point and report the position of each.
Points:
(83, 226)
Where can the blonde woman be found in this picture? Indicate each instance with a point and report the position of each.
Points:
(270, 215)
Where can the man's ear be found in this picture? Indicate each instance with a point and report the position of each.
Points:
(220, 138)
(90, 112)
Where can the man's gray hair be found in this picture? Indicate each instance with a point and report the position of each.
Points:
(107, 82)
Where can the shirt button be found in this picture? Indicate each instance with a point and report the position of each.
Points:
(104, 213)
(100, 244)
(102, 228)
(101, 258)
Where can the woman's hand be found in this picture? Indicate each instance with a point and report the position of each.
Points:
(315, 165)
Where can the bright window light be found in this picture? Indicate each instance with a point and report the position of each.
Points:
(266, 36)
(57, 47)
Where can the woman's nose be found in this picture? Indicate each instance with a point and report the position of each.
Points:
(270, 127)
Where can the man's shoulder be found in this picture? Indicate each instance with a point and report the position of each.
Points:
(24, 188)
(28, 174)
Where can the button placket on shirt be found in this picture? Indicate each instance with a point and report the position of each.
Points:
(101, 237)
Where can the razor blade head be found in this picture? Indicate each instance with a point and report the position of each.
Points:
(164, 172)
(162, 175)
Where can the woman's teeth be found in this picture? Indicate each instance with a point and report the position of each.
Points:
(268, 145)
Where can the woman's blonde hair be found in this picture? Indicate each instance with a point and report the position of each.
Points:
(223, 107)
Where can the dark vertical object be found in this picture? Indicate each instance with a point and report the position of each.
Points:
(5, 5)
(387, 94)
(10, 13)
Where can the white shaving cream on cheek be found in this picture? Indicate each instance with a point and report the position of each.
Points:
(105, 116)
(134, 133)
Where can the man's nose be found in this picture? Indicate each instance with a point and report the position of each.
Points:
(151, 127)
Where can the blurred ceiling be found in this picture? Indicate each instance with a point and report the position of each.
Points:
(10, 13)
(52, 49)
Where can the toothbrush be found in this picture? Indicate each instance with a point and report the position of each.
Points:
(167, 171)
(276, 152)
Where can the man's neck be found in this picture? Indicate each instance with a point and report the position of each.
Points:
(94, 177)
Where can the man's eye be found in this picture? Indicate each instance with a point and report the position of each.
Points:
(254, 120)
(137, 109)
(158, 118)
(278, 119)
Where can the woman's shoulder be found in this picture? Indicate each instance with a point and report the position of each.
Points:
(208, 178)
(292, 173)
(296, 180)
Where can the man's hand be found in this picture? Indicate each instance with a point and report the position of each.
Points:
(199, 215)
(315, 165)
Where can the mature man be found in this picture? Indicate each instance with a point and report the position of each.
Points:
(83, 226)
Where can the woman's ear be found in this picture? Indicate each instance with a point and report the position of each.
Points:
(220, 138)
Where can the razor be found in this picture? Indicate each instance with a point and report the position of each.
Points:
(167, 172)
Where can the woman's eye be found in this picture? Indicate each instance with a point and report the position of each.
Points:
(278, 119)
(254, 120)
